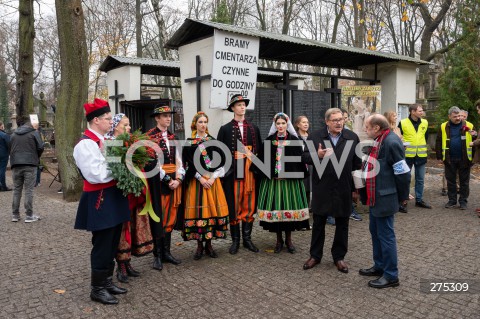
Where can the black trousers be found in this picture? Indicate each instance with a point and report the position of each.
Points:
(463, 170)
(340, 240)
(105, 245)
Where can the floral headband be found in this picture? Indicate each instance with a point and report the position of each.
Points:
(116, 119)
(280, 114)
(162, 110)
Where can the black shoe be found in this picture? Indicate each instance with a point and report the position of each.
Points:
(370, 272)
(131, 271)
(290, 248)
(198, 255)
(235, 233)
(278, 247)
(250, 246)
(235, 246)
(168, 258)
(166, 255)
(210, 252)
(247, 237)
(199, 252)
(122, 275)
(444, 192)
(450, 204)
(463, 206)
(402, 209)
(422, 204)
(383, 282)
(5, 189)
(114, 290)
(157, 263)
(101, 294)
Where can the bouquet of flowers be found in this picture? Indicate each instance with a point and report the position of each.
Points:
(127, 181)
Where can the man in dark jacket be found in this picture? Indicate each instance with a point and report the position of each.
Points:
(4, 151)
(387, 184)
(26, 147)
(332, 191)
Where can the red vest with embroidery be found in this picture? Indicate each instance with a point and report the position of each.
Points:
(87, 186)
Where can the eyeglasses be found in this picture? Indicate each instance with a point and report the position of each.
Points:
(336, 120)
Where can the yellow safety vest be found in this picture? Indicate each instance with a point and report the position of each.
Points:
(418, 144)
(468, 140)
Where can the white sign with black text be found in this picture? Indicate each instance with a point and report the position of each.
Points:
(234, 69)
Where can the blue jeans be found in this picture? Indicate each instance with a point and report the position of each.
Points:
(3, 169)
(419, 180)
(384, 246)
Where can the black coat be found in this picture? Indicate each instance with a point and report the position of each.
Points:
(332, 195)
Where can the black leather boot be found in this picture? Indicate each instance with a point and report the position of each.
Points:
(114, 290)
(99, 292)
(247, 237)
(122, 275)
(157, 254)
(167, 256)
(235, 233)
(130, 270)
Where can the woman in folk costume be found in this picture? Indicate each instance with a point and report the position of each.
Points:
(282, 201)
(136, 238)
(206, 210)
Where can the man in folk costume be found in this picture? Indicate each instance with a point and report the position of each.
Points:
(165, 186)
(387, 183)
(102, 208)
(240, 190)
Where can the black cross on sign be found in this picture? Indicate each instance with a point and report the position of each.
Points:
(116, 97)
(198, 78)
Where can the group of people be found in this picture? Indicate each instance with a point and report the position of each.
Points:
(197, 191)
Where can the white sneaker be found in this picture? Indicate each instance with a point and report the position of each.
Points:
(31, 219)
(37, 217)
(15, 219)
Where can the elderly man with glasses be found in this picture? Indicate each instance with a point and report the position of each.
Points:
(333, 189)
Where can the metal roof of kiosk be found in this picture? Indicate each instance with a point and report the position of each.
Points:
(285, 48)
(172, 68)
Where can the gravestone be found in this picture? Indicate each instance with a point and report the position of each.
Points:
(313, 105)
(268, 103)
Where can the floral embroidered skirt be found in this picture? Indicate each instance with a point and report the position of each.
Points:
(206, 212)
(282, 205)
(136, 238)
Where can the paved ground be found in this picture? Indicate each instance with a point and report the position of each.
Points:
(47, 255)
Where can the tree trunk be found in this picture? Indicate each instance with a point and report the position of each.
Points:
(138, 27)
(73, 92)
(24, 105)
